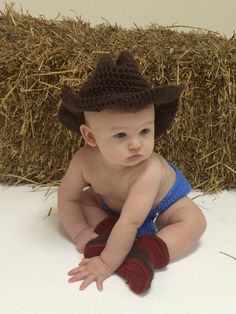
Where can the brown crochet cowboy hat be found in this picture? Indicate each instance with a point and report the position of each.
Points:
(121, 86)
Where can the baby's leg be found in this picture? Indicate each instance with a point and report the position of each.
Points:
(90, 205)
(181, 226)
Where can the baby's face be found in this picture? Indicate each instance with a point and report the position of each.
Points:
(123, 138)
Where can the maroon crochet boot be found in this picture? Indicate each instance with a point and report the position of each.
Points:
(156, 248)
(95, 246)
(137, 271)
(106, 225)
(103, 229)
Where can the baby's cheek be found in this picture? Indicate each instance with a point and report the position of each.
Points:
(110, 153)
(116, 155)
(151, 144)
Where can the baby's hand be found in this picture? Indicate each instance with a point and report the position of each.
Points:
(89, 270)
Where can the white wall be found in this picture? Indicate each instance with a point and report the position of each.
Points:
(216, 15)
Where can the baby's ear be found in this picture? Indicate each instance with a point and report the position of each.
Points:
(88, 135)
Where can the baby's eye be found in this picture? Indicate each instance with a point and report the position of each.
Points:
(145, 131)
(120, 135)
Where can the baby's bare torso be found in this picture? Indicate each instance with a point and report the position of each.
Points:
(113, 186)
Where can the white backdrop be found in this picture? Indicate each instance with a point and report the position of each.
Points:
(216, 15)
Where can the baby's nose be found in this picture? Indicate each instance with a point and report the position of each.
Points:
(134, 145)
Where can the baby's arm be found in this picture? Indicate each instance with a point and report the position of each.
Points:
(139, 202)
(69, 209)
(135, 210)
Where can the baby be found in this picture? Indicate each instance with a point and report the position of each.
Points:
(124, 206)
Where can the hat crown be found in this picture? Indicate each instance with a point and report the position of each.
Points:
(121, 86)
(114, 78)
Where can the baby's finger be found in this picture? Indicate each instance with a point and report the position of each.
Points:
(100, 284)
(88, 280)
(76, 270)
(79, 276)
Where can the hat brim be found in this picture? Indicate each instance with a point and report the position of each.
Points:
(159, 96)
(164, 98)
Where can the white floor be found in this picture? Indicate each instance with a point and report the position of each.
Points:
(36, 255)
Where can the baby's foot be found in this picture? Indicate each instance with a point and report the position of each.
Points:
(137, 271)
(156, 249)
(106, 225)
(136, 268)
(95, 246)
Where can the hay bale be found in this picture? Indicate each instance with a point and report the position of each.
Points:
(37, 55)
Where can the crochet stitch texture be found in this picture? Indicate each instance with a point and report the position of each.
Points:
(121, 86)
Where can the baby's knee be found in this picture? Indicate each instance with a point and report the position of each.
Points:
(193, 219)
(198, 223)
(201, 222)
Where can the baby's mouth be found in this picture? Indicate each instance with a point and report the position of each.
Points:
(135, 156)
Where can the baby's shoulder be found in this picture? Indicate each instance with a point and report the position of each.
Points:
(156, 163)
(86, 158)
(78, 159)
(152, 168)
